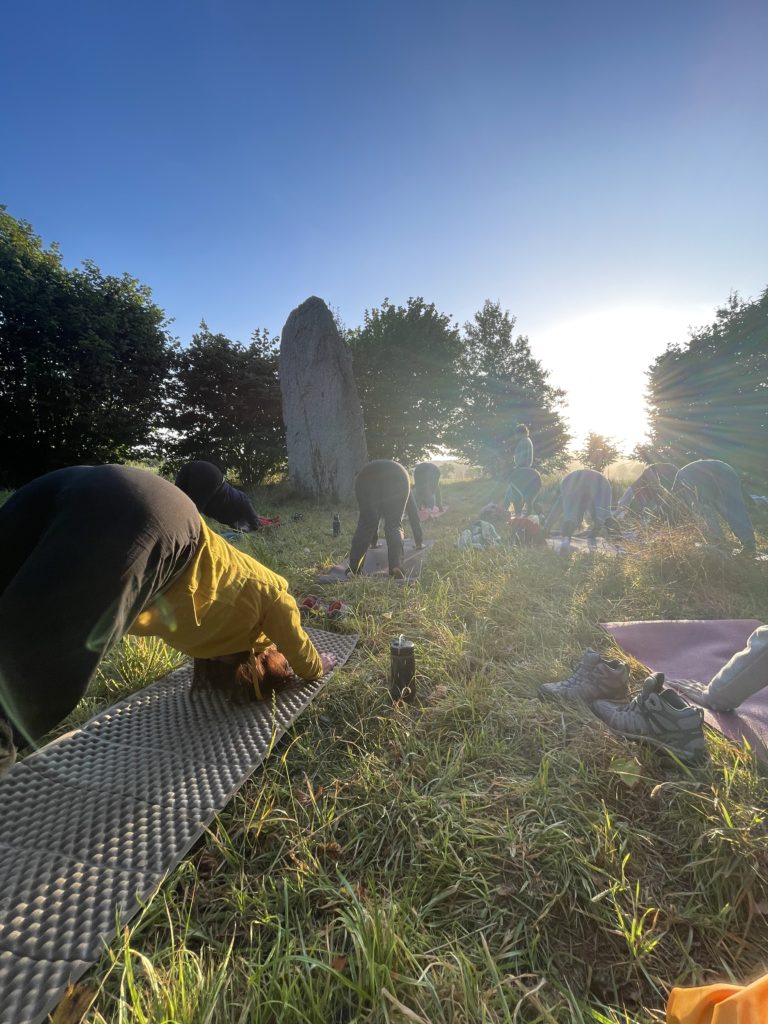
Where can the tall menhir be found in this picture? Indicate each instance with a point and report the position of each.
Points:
(323, 419)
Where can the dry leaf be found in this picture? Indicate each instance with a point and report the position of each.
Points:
(74, 1006)
(330, 850)
(339, 963)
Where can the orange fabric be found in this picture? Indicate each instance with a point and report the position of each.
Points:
(720, 1004)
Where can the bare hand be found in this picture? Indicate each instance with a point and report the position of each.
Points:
(328, 661)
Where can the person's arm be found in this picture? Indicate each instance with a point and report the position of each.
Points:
(438, 497)
(413, 518)
(554, 514)
(282, 624)
(626, 499)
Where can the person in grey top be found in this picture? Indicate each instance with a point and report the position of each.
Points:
(583, 493)
(524, 448)
(712, 488)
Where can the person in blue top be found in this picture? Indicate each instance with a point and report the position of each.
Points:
(524, 482)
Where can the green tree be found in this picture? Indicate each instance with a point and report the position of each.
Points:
(226, 406)
(709, 398)
(598, 452)
(406, 363)
(84, 360)
(502, 385)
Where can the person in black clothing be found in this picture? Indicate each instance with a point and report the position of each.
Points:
(383, 491)
(82, 551)
(426, 486)
(204, 483)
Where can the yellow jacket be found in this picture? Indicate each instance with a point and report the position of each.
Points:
(225, 602)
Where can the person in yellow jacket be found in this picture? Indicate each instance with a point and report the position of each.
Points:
(720, 1004)
(90, 553)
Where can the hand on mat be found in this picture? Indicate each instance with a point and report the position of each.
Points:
(328, 661)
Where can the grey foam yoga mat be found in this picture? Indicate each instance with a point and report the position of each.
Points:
(376, 563)
(581, 546)
(698, 649)
(91, 824)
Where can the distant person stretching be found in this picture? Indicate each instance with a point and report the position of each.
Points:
(383, 491)
(204, 483)
(651, 489)
(583, 493)
(426, 486)
(712, 488)
(90, 553)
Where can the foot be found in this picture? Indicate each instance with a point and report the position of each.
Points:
(698, 693)
(397, 574)
(595, 678)
(659, 717)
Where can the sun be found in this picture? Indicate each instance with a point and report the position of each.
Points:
(601, 359)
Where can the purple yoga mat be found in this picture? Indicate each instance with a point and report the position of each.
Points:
(698, 649)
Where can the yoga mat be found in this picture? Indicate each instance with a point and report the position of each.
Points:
(91, 824)
(581, 546)
(376, 563)
(698, 649)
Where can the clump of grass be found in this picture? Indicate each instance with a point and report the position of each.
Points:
(484, 857)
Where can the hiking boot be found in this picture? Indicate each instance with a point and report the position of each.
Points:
(659, 717)
(595, 678)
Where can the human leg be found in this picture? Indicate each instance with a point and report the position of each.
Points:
(104, 540)
(742, 677)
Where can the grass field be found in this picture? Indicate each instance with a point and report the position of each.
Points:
(483, 858)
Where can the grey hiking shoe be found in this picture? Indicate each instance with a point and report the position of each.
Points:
(659, 717)
(596, 677)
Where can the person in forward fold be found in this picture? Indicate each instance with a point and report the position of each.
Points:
(426, 486)
(712, 488)
(650, 492)
(583, 493)
(90, 553)
(204, 483)
(383, 491)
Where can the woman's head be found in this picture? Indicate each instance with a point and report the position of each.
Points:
(521, 430)
(245, 675)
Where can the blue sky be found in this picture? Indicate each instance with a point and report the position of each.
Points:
(595, 166)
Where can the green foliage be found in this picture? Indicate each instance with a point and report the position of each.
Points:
(709, 398)
(406, 361)
(502, 385)
(226, 406)
(598, 452)
(84, 359)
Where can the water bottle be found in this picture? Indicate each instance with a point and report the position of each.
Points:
(402, 670)
(336, 525)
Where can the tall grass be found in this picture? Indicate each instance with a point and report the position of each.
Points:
(482, 857)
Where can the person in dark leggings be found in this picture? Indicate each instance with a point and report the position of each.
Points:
(523, 489)
(426, 486)
(383, 491)
(92, 552)
(204, 483)
(712, 488)
(583, 493)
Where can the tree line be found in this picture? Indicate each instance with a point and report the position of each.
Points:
(90, 373)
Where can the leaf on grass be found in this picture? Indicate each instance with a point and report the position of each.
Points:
(628, 770)
(74, 1006)
(331, 851)
(339, 963)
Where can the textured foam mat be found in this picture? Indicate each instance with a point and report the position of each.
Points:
(91, 824)
(376, 563)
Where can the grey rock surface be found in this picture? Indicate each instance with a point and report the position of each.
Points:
(323, 419)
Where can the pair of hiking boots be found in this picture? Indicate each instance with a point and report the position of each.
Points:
(657, 715)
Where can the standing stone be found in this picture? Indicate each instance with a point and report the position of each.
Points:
(321, 408)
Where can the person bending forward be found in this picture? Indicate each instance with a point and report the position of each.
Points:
(383, 491)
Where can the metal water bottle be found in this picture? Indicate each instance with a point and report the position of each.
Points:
(336, 525)
(402, 670)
